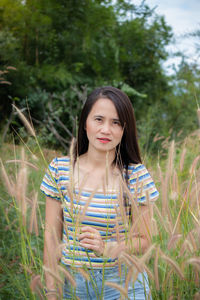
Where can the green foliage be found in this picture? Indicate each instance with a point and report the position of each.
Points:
(57, 47)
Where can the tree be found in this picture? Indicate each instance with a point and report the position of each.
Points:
(64, 44)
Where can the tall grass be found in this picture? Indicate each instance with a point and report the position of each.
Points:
(173, 260)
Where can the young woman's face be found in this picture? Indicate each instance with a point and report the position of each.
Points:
(103, 127)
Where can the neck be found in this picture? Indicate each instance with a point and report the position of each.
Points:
(100, 160)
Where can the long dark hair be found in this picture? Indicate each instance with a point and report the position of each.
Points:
(128, 150)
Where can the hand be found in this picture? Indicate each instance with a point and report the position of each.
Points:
(90, 238)
(51, 297)
(114, 249)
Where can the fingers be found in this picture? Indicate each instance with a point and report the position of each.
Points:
(89, 245)
(89, 232)
(90, 238)
(89, 229)
(89, 235)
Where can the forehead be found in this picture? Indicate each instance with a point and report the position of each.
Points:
(104, 106)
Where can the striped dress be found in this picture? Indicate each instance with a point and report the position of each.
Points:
(105, 211)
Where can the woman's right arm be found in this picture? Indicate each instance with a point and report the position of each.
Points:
(53, 231)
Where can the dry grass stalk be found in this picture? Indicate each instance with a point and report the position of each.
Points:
(57, 277)
(36, 286)
(24, 162)
(167, 229)
(173, 241)
(192, 239)
(194, 217)
(197, 295)
(194, 165)
(11, 68)
(134, 260)
(122, 206)
(33, 218)
(132, 198)
(179, 213)
(84, 273)
(186, 246)
(170, 164)
(156, 275)
(198, 115)
(71, 154)
(70, 194)
(125, 260)
(154, 227)
(81, 214)
(195, 192)
(146, 256)
(182, 159)
(118, 287)
(67, 275)
(81, 186)
(35, 283)
(168, 277)
(157, 138)
(117, 230)
(197, 277)
(59, 250)
(173, 264)
(7, 181)
(21, 187)
(25, 121)
(195, 261)
(165, 183)
(175, 185)
(129, 276)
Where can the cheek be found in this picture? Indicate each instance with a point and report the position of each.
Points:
(120, 134)
(89, 128)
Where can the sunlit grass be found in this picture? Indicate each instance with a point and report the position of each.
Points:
(173, 260)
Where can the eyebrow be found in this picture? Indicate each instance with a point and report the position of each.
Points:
(100, 116)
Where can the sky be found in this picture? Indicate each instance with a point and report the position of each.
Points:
(184, 17)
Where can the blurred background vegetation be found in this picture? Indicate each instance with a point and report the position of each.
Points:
(54, 52)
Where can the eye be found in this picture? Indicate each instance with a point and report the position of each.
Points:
(116, 122)
(98, 119)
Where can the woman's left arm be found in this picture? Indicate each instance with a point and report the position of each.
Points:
(138, 238)
(141, 232)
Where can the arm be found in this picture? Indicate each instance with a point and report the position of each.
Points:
(140, 233)
(53, 229)
(137, 242)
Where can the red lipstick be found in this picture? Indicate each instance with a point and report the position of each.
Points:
(104, 140)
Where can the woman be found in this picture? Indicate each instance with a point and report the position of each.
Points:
(101, 194)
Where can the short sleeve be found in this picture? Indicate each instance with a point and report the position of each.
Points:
(141, 184)
(50, 182)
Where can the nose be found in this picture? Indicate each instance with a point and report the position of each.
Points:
(105, 129)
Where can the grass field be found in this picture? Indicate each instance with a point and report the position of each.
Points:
(173, 261)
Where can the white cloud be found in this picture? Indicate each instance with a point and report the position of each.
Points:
(184, 17)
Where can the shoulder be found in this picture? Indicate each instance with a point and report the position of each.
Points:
(138, 173)
(59, 165)
(136, 169)
(141, 183)
(58, 162)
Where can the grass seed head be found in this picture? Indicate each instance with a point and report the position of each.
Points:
(25, 121)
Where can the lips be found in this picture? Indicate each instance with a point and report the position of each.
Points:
(104, 140)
